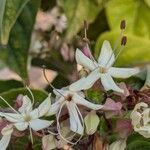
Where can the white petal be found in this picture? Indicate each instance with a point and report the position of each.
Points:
(78, 85)
(91, 79)
(75, 122)
(84, 60)
(106, 57)
(54, 108)
(81, 101)
(6, 132)
(4, 142)
(122, 72)
(44, 106)
(109, 84)
(21, 126)
(26, 106)
(12, 117)
(39, 124)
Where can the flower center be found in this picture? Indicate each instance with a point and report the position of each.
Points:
(27, 118)
(68, 97)
(102, 70)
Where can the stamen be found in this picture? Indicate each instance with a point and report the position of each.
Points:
(124, 40)
(81, 122)
(123, 25)
(44, 73)
(58, 127)
(52, 132)
(32, 96)
(9, 105)
(86, 40)
(31, 135)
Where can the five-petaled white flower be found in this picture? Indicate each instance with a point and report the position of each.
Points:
(71, 98)
(103, 69)
(25, 118)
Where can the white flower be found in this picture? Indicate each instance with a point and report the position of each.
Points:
(140, 117)
(25, 117)
(118, 145)
(71, 98)
(103, 69)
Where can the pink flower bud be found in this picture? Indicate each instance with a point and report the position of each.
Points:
(19, 101)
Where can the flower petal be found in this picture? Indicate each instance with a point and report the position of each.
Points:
(26, 106)
(44, 106)
(54, 108)
(6, 132)
(85, 83)
(75, 122)
(109, 84)
(84, 60)
(106, 57)
(12, 117)
(39, 124)
(78, 85)
(21, 126)
(123, 72)
(81, 101)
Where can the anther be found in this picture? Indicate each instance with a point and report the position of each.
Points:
(124, 40)
(123, 25)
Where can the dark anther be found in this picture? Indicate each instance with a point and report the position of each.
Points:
(123, 24)
(124, 40)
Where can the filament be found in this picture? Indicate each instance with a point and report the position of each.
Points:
(9, 104)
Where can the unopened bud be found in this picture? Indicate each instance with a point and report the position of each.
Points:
(124, 40)
(123, 25)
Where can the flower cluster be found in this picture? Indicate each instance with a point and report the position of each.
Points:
(70, 101)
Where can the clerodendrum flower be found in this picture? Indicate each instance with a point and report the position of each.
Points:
(71, 98)
(103, 69)
(141, 119)
(25, 118)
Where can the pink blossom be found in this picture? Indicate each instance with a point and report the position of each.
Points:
(124, 127)
(112, 108)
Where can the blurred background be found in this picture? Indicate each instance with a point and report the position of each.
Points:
(59, 29)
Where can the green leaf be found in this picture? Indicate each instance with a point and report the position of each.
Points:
(9, 11)
(77, 12)
(137, 142)
(6, 85)
(11, 95)
(15, 53)
(136, 50)
(136, 13)
(25, 143)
